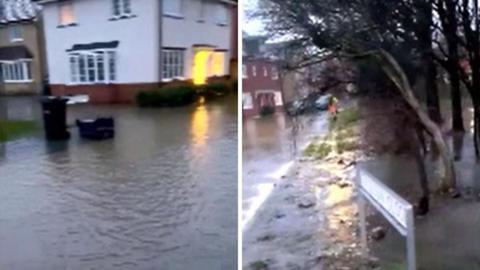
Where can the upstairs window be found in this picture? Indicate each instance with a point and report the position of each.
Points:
(173, 7)
(122, 8)
(65, 13)
(244, 72)
(15, 34)
(265, 72)
(254, 71)
(221, 14)
(201, 11)
(274, 73)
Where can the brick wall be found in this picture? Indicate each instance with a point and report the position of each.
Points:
(104, 93)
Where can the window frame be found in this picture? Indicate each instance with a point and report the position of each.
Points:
(18, 37)
(219, 9)
(123, 12)
(80, 69)
(244, 71)
(17, 71)
(72, 10)
(168, 55)
(179, 15)
(274, 73)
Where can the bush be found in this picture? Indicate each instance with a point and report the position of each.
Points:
(217, 89)
(266, 110)
(318, 151)
(179, 95)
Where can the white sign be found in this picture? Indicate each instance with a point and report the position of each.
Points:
(398, 211)
(395, 206)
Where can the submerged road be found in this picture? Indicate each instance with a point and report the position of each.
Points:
(161, 195)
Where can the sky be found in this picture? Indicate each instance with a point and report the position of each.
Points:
(252, 27)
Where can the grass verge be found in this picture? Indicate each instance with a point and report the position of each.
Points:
(340, 138)
(10, 130)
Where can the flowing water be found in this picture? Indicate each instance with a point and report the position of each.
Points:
(270, 146)
(161, 195)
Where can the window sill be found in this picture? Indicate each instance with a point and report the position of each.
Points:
(88, 83)
(67, 25)
(174, 16)
(16, 40)
(173, 79)
(222, 24)
(122, 17)
(23, 81)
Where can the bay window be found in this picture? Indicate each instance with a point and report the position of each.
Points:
(92, 67)
(16, 71)
(173, 64)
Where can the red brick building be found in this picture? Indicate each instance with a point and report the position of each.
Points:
(262, 87)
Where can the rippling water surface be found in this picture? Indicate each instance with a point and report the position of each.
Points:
(161, 195)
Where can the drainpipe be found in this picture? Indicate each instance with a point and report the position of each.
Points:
(160, 40)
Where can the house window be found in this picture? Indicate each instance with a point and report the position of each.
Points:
(244, 72)
(92, 67)
(254, 71)
(221, 14)
(201, 11)
(247, 101)
(274, 73)
(173, 64)
(65, 13)
(15, 34)
(16, 71)
(121, 8)
(265, 72)
(173, 7)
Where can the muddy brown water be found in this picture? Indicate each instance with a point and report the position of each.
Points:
(161, 195)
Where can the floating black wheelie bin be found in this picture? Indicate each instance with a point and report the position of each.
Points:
(55, 118)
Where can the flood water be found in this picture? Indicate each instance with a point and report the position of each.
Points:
(161, 195)
(270, 146)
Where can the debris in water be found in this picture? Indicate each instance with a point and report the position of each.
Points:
(378, 233)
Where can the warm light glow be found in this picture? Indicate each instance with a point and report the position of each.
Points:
(65, 11)
(200, 64)
(199, 126)
(218, 64)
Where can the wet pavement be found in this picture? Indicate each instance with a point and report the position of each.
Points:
(270, 146)
(161, 195)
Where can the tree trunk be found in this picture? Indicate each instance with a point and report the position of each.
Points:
(457, 117)
(424, 202)
(431, 89)
(399, 78)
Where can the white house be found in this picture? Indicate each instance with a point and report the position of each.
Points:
(110, 49)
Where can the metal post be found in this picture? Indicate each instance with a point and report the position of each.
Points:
(411, 260)
(362, 216)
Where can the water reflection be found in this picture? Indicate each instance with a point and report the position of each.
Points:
(140, 201)
(199, 126)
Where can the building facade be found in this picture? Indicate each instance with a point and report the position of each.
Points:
(111, 49)
(22, 61)
(262, 87)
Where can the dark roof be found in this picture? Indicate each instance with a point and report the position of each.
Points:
(94, 46)
(12, 11)
(15, 53)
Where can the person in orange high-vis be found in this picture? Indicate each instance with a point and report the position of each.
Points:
(332, 107)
